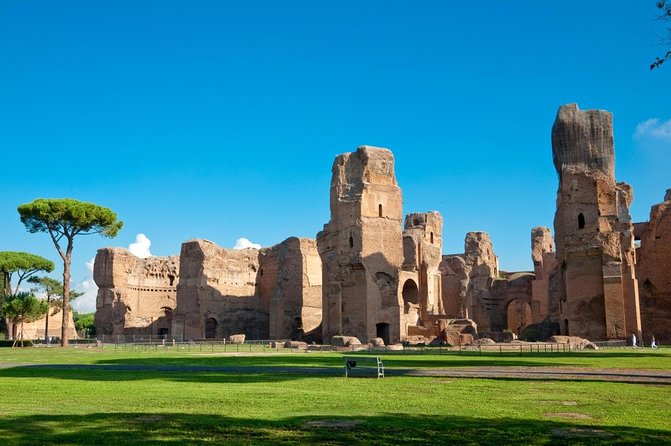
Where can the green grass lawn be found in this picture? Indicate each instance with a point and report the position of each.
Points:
(79, 406)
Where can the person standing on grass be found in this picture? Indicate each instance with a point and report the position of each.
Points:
(653, 342)
(633, 340)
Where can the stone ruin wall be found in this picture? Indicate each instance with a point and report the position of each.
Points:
(272, 293)
(654, 272)
(593, 229)
(467, 281)
(135, 296)
(291, 274)
(216, 295)
(422, 253)
(210, 292)
(545, 290)
(475, 288)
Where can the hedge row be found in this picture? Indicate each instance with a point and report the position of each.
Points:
(10, 343)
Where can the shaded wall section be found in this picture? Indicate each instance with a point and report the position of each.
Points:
(135, 296)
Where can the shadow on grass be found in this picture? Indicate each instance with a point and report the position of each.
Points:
(327, 361)
(268, 374)
(179, 429)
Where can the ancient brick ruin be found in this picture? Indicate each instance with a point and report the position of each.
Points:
(135, 296)
(374, 273)
(210, 292)
(593, 229)
(654, 271)
(378, 278)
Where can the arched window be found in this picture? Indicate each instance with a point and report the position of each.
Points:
(581, 221)
(379, 210)
(432, 238)
(351, 241)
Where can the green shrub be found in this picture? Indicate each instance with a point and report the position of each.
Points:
(10, 343)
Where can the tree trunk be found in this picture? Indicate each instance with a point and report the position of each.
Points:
(6, 291)
(66, 294)
(7, 287)
(46, 321)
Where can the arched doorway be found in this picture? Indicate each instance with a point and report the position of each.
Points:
(211, 328)
(519, 315)
(164, 322)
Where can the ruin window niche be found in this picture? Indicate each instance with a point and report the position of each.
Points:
(432, 238)
(351, 241)
(410, 295)
(581, 221)
(379, 210)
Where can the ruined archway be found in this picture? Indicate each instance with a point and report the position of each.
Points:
(164, 322)
(519, 315)
(211, 326)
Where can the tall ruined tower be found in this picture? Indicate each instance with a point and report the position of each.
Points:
(593, 229)
(362, 248)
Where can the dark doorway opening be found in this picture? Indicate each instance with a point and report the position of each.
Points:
(383, 332)
(211, 328)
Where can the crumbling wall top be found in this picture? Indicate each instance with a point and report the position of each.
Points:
(541, 243)
(366, 165)
(423, 219)
(583, 139)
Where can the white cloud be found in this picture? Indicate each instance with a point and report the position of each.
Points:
(244, 243)
(141, 246)
(87, 302)
(653, 129)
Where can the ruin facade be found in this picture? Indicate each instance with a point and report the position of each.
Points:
(593, 229)
(475, 288)
(211, 292)
(653, 271)
(135, 296)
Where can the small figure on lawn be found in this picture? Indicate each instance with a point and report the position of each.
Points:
(633, 340)
(653, 342)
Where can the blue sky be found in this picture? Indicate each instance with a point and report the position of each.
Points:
(220, 120)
